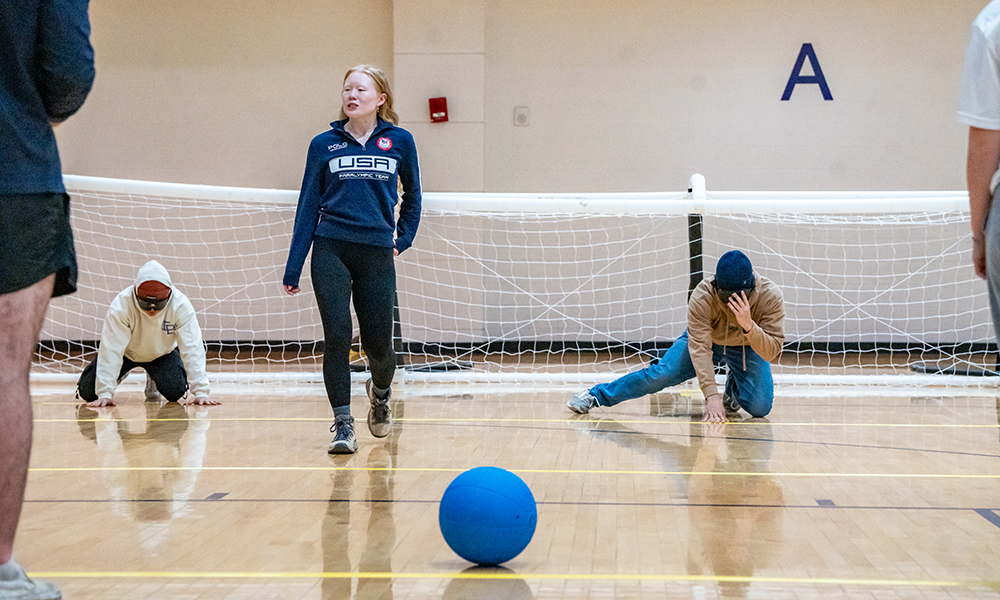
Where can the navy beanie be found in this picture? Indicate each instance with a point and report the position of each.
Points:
(734, 272)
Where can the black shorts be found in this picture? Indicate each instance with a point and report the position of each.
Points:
(35, 242)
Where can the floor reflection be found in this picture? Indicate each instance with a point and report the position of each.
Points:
(151, 464)
(733, 520)
(469, 588)
(379, 537)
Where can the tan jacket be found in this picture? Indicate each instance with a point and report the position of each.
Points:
(712, 323)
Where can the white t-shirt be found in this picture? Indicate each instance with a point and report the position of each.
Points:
(979, 101)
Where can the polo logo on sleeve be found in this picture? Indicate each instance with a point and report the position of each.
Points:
(384, 143)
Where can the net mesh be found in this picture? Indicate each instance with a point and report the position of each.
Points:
(553, 287)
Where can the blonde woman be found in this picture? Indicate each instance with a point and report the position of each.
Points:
(346, 214)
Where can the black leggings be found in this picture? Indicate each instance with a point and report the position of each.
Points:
(167, 372)
(341, 270)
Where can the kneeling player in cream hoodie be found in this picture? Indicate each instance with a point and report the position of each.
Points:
(151, 325)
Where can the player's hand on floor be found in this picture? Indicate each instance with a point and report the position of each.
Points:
(714, 411)
(101, 402)
(200, 401)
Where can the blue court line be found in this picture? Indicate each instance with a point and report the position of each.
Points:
(824, 502)
(989, 515)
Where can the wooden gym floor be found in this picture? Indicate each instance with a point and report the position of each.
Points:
(837, 494)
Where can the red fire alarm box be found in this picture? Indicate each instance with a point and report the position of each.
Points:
(439, 110)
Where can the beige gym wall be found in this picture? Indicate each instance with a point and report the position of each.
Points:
(221, 92)
(620, 96)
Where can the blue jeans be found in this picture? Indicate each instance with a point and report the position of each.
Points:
(752, 388)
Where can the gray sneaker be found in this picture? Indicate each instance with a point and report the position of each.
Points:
(22, 587)
(731, 405)
(582, 402)
(344, 441)
(379, 415)
(151, 393)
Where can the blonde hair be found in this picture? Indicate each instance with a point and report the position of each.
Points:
(385, 111)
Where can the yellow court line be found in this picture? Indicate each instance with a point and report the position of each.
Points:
(509, 576)
(563, 421)
(547, 471)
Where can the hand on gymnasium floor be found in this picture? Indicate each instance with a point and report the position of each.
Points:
(714, 411)
(101, 402)
(200, 401)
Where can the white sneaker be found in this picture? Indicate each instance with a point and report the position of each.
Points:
(582, 402)
(22, 587)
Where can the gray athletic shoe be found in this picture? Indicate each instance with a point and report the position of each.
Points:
(151, 393)
(379, 415)
(731, 405)
(344, 441)
(582, 402)
(22, 587)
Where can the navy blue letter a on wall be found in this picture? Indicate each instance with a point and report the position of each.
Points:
(797, 76)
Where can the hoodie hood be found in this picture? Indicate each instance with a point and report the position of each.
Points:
(152, 281)
(153, 271)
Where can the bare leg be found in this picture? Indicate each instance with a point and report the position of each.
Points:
(21, 317)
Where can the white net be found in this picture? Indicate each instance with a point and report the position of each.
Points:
(556, 287)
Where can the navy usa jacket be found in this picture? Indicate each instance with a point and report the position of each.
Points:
(46, 72)
(349, 192)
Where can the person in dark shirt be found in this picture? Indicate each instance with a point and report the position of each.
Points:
(46, 72)
(346, 214)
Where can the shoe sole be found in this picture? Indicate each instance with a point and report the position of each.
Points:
(577, 410)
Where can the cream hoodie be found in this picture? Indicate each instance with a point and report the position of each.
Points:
(129, 332)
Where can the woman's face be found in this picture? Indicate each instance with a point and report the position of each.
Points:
(361, 96)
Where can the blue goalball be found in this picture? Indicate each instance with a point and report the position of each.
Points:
(487, 515)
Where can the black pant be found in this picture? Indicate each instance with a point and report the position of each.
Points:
(167, 372)
(341, 270)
